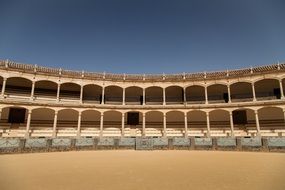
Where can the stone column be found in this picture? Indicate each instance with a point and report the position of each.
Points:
(124, 96)
(143, 96)
(185, 125)
(184, 96)
(58, 92)
(54, 124)
(281, 89)
(229, 93)
(206, 95)
(164, 124)
(101, 124)
(81, 94)
(253, 92)
(208, 125)
(3, 87)
(79, 125)
(33, 90)
(143, 125)
(164, 98)
(257, 122)
(232, 124)
(27, 135)
(123, 124)
(103, 95)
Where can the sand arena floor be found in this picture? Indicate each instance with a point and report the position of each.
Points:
(128, 169)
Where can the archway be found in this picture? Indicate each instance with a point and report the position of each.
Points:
(45, 89)
(18, 86)
(92, 94)
(112, 123)
(154, 95)
(195, 94)
(154, 123)
(69, 91)
(174, 95)
(241, 92)
(217, 93)
(134, 95)
(197, 123)
(267, 89)
(113, 95)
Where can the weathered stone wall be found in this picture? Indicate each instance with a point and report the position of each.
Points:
(20, 145)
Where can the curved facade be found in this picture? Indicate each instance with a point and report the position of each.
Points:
(46, 102)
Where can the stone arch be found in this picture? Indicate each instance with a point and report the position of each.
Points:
(154, 119)
(4, 120)
(90, 119)
(197, 123)
(217, 93)
(271, 118)
(67, 118)
(174, 95)
(175, 119)
(45, 89)
(219, 120)
(92, 93)
(69, 91)
(134, 95)
(241, 91)
(18, 86)
(42, 118)
(267, 89)
(154, 95)
(113, 94)
(195, 94)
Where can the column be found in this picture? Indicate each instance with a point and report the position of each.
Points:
(143, 125)
(257, 122)
(54, 124)
(3, 87)
(143, 96)
(164, 99)
(232, 124)
(229, 94)
(253, 92)
(281, 89)
(184, 96)
(124, 96)
(0, 115)
(103, 95)
(123, 124)
(164, 124)
(101, 124)
(186, 124)
(206, 95)
(208, 125)
(58, 91)
(28, 125)
(32, 91)
(81, 94)
(79, 124)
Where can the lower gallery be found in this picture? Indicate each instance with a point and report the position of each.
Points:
(50, 109)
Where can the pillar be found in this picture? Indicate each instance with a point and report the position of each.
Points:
(124, 96)
(81, 94)
(186, 124)
(164, 124)
(28, 124)
(184, 96)
(123, 124)
(3, 87)
(206, 95)
(143, 124)
(58, 92)
(253, 92)
(281, 89)
(103, 95)
(78, 124)
(164, 99)
(101, 124)
(54, 124)
(257, 122)
(143, 96)
(229, 93)
(33, 90)
(208, 125)
(232, 124)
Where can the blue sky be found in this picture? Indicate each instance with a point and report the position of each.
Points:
(143, 36)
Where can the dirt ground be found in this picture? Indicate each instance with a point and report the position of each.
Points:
(129, 169)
